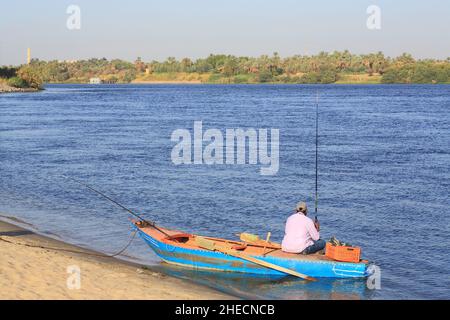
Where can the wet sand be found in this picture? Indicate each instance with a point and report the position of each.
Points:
(33, 266)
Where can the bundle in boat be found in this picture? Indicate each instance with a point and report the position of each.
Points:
(254, 239)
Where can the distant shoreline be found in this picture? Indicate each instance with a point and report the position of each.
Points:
(167, 82)
(250, 84)
(340, 67)
(8, 89)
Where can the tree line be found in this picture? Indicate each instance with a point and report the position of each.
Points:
(220, 68)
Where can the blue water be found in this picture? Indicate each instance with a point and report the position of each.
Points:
(383, 183)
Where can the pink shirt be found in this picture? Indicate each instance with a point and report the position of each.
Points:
(299, 233)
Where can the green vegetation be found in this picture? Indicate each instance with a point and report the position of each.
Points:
(25, 77)
(31, 76)
(335, 67)
(7, 72)
(17, 82)
(421, 72)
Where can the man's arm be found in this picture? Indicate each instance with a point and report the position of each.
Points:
(315, 235)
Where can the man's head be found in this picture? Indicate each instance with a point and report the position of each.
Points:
(301, 208)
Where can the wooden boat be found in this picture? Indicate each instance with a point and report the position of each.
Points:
(183, 249)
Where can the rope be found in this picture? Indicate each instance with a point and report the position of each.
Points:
(126, 247)
(73, 251)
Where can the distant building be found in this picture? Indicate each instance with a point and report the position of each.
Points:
(28, 56)
(95, 81)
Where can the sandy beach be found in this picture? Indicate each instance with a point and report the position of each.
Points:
(33, 266)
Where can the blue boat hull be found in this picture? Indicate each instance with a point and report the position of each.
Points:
(212, 260)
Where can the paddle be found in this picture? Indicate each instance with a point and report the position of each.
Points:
(211, 245)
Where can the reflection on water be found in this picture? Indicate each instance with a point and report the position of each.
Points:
(288, 287)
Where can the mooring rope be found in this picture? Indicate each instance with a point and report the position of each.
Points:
(73, 251)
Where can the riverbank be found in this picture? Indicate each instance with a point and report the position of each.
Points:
(167, 82)
(33, 266)
(4, 88)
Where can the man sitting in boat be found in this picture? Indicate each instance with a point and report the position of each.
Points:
(301, 233)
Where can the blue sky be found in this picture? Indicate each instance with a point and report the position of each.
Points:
(194, 28)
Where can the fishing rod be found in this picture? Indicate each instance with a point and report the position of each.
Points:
(317, 154)
(144, 221)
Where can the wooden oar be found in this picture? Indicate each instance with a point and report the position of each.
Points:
(211, 245)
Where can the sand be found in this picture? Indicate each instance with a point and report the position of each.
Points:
(29, 272)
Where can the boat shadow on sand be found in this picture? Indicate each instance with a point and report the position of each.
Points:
(275, 287)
